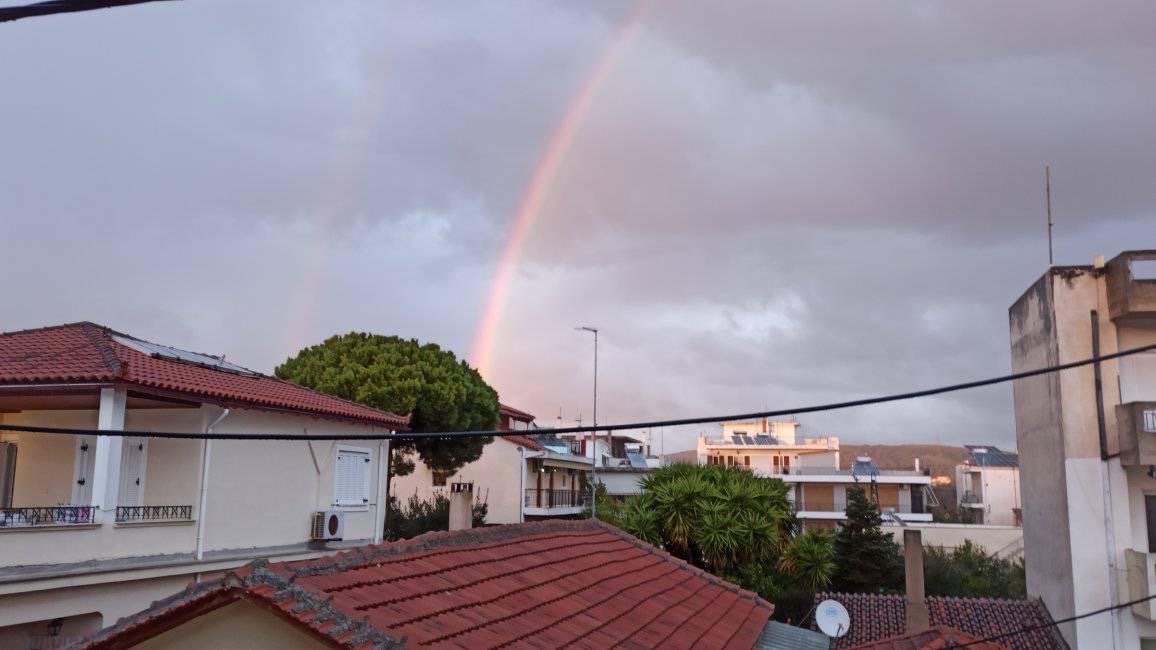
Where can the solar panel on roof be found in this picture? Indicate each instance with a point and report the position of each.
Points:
(738, 440)
(637, 460)
(176, 354)
(764, 440)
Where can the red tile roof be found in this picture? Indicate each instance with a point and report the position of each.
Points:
(881, 616)
(514, 413)
(936, 638)
(86, 352)
(523, 441)
(544, 584)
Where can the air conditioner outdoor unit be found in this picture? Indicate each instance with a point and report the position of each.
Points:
(328, 525)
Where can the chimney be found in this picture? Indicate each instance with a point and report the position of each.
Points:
(917, 617)
(462, 508)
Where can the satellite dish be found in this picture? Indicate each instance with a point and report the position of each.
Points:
(833, 619)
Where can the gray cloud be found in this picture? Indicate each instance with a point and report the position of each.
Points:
(766, 205)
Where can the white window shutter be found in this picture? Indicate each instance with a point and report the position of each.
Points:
(132, 467)
(351, 480)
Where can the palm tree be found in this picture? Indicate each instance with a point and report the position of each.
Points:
(810, 559)
(719, 518)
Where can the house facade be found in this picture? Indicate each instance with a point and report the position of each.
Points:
(810, 467)
(517, 476)
(93, 528)
(987, 487)
(1085, 438)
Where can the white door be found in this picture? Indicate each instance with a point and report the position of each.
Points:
(83, 465)
(132, 471)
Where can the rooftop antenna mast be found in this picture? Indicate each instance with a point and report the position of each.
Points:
(1048, 194)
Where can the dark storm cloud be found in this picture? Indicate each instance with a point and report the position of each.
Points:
(766, 205)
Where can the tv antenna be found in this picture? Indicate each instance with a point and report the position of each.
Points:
(1048, 195)
(832, 618)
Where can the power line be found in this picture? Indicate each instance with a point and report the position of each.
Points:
(1044, 626)
(61, 7)
(449, 435)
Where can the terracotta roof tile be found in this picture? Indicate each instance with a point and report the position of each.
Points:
(880, 616)
(539, 584)
(86, 352)
(936, 638)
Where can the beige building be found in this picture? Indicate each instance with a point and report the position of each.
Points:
(1086, 438)
(518, 477)
(810, 467)
(93, 528)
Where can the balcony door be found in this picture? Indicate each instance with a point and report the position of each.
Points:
(132, 471)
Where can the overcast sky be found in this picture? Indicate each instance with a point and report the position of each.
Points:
(765, 204)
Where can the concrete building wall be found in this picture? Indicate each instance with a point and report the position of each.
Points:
(1040, 441)
(229, 626)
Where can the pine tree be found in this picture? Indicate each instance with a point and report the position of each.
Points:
(866, 558)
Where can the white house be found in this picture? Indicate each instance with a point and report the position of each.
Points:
(987, 486)
(95, 528)
(518, 477)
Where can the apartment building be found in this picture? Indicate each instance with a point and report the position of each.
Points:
(93, 528)
(519, 477)
(987, 487)
(1087, 446)
(811, 468)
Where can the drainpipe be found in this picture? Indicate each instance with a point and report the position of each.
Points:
(206, 456)
(522, 486)
(379, 521)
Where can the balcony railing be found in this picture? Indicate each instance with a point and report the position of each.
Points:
(46, 516)
(971, 497)
(555, 498)
(154, 513)
(831, 471)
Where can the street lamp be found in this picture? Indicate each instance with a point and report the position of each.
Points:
(593, 434)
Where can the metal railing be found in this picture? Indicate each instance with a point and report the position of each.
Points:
(831, 471)
(971, 497)
(46, 516)
(154, 513)
(556, 498)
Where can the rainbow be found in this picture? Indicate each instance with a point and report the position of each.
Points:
(541, 181)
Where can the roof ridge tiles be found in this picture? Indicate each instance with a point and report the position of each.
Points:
(444, 541)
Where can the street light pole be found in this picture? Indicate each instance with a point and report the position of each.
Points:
(594, 434)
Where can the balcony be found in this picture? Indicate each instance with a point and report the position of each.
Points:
(47, 516)
(970, 498)
(130, 514)
(1141, 581)
(1136, 424)
(555, 502)
(1131, 284)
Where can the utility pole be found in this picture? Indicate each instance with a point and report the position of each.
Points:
(594, 434)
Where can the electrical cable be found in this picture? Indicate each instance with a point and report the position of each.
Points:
(61, 6)
(449, 435)
(1044, 626)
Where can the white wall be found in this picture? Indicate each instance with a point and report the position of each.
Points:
(495, 477)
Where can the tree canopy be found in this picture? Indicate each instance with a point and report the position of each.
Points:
(404, 376)
(868, 559)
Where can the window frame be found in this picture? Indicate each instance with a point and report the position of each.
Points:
(367, 488)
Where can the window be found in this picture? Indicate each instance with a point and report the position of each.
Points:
(746, 461)
(351, 477)
(1150, 511)
(440, 477)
